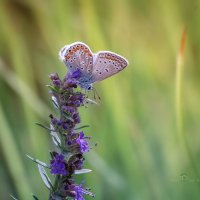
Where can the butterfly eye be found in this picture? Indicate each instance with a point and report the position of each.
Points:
(106, 70)
(89, 87)
(105, 62)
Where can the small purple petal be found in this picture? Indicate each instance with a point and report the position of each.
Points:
(58, 165)
(83, 144)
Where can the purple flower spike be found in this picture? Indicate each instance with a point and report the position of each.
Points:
(81, 141)
(67, 159)
(58, 165)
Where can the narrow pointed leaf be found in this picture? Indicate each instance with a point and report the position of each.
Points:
(85, 126)
(38, 161)
(43, 126)
(45, 177)
(82, 171)
(55, 137)
(52, 88)
(91, 101)
(67, 117)
(55, 102)
(34, 197)
(13, 197)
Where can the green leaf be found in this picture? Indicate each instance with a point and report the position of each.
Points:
(35, 197)
(55, 137)
(91, 101)
(13, 197)
(55, 102)
(68, 117)
(85, 126)
(43, 126)
(52, 88)
(38, 161)
(45, 177)
(82, 171)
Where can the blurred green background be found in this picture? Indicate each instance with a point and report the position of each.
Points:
(147, 126)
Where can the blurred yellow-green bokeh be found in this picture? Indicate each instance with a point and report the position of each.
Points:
(147, 125)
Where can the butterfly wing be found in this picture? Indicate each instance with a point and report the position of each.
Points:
(106, 64)
(77, 56)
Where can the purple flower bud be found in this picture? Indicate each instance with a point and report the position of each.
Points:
(71, 83)
(80, 192)
(83, 144)
(65, 126)
(77, 191)
(68, 109)
(75, 74)
(79, 163)
(54, 76)
(58, 165)
(53, 119)
(69, 143)
(57, 82)
(77, 103)
(76, 118)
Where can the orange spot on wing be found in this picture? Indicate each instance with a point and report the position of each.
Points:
(67, 57)
(108, 56)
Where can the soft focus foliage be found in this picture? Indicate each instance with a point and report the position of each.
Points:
(140, 154)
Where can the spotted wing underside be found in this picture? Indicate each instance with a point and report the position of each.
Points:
(77, 56)
(107, 64)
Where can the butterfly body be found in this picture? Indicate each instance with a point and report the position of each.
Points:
(85, 81)
(93, 67)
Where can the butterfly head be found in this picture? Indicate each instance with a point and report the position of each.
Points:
(89, 87)
(85, 84)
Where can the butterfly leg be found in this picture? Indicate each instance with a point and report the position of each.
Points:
(96, 94)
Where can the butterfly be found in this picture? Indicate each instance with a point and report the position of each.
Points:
(93, 67)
